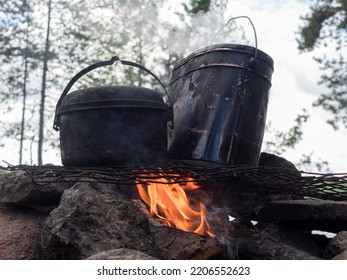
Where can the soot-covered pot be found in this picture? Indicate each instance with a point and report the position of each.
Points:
(111, 125)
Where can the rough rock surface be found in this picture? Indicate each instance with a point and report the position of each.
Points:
(91, 218)
(272, 160)
(17, 188)
(20, 233)
(341, 256)
(120, 254)
(336, 245)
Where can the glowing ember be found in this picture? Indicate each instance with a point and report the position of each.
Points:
(169, 202)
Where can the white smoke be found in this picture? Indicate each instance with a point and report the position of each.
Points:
(222, 226)
(201, 29)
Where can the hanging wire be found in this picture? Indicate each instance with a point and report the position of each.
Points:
(255, 32)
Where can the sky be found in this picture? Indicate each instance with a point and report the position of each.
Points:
(294, 81)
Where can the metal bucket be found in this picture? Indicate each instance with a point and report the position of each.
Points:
(220, 96)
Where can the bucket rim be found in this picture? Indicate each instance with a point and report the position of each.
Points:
(226, 47)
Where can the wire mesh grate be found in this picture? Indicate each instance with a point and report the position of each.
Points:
(271, 180)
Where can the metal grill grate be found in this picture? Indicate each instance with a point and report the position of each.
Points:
(269, 180)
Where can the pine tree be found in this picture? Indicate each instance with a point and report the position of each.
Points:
(326, 26)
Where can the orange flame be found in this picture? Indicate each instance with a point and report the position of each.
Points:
(169, 202)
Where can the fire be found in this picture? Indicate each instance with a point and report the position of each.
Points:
(169, 202)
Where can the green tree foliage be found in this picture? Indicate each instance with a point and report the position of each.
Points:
(31, 64)
(196, 6)
(326, 25)
(18, 58)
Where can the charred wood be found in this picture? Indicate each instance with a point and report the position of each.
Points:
(323, 215)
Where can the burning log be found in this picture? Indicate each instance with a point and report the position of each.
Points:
(259, 247)
(172, 243)
(169, 201)
(273, 242)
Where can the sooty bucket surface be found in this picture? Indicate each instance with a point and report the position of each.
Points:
(220, 96)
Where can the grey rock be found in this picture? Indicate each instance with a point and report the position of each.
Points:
(341, 256)
(121, 254)
(272, 160)
(91, 218)
(16, 187)
(20, 233)
(336, 245)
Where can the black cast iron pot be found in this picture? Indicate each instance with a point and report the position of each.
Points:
(111, 125)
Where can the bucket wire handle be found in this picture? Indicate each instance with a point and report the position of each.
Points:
(255, 33)
(105, 63)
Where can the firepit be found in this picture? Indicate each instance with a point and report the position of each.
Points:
(103, 208)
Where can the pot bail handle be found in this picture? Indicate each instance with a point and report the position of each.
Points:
(255, 33)
(106, 63)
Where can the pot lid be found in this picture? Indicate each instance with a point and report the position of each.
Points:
(111, 97)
